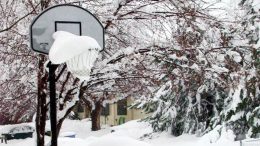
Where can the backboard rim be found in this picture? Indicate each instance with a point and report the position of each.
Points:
(44, 11)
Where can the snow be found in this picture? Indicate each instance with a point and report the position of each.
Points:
(174, 57)
(69, 104)
(226, 138)
(235, 55)
(132, 133)
(66, 134)
(236, 97)
(118, 141)
(24, 127)
(217, 69)
(71, 142)
(163, 90)
(79, 53)
(116, 3)
(67, 45)
(237, 116)
(132, 129)
(224, 9)
(195, 67)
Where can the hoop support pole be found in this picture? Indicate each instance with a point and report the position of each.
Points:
(53, 109)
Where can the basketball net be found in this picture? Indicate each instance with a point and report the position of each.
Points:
(78, 52)
(81, 65)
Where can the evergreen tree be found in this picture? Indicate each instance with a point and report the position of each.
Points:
(210, 75)
(242, 106)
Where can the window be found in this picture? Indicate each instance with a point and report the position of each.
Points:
(105, 110)
(122, 107)
(80, 108)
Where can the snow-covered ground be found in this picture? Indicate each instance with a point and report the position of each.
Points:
(132, 133)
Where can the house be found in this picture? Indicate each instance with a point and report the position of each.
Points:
(115, 113)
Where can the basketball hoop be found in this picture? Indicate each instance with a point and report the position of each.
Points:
(81, 65)
(77, 44)
(78, 52)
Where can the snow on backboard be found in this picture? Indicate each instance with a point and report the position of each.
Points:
(65, 17)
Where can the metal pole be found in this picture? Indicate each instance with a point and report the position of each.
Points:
(53, 110)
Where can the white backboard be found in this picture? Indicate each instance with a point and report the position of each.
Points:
(65, 17)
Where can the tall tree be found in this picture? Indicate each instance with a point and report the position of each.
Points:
(18, 90)
(42, 77)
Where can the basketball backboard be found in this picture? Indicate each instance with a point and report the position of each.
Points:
(65, 17)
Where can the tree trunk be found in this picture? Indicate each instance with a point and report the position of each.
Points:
(42, 78)
(41, 105)
(95, 116)
(69, 95)
(59, 124)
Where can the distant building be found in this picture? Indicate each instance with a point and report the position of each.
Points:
(115, 113)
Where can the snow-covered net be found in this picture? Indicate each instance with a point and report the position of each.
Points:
(79, 53)
(255, 142)
(81, 65)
